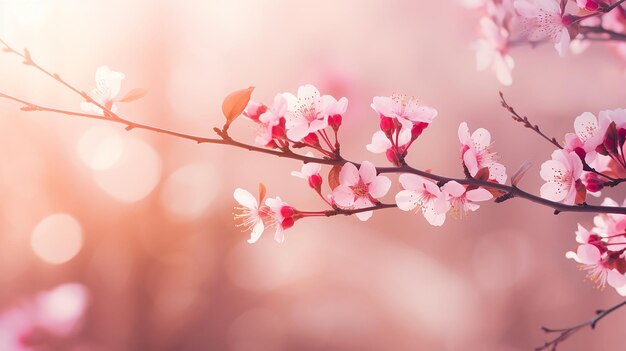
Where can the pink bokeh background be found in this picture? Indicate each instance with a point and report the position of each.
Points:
(146, 219)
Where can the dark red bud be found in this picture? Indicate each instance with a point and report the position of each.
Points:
(311, 139)
(287, 223)
(387, 125)
(287, 211)
(335, 121)
(591, 5)
(580, 152)
(393, 157)
(315, 181)
(278, 131)
(417, 129)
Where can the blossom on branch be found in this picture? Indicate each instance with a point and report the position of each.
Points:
(360, 188)
(108, 85)
(476, 153)
(545, 20)
(492, 51)
(425, 195)
(308, 112)
(562, 175)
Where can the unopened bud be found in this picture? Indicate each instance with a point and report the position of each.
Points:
(335, 121)
(387, 125)
(311, 139)
(315, 181)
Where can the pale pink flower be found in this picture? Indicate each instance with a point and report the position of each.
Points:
(272, 122)
(476, 153)
(422, 194)
(589, 134)
(360, 188)
(311, 173)
(381, 143)
(597, 265)
(544, 20)
(405, 110)
(281, 216)
(56, 313)
(491, 51)
(561, 174)
(249, 213)
(308, 112)
(462, 200)
(108, 85)
(254, 110)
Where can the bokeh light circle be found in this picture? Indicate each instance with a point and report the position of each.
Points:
(189, 191)
(134, 175)
(57, 238)
(100, 147)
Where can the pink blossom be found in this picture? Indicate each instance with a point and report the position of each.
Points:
(360, 188)
(108, 85)
(561, 175)
(281, 216)
(272, 122)
(249, 213)
(308, 112)
(382, 143)
(491, 50)
(56, 313)
(598, 266)
(254, 110)
(311, 173)
(462, 200)
(425, 195)
(589, 134)
(405, 110)
(544, 19)
(476, 153)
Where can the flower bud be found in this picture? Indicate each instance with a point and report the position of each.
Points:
(335, 121)
(287, 211)
(254, 110)
(311, 139)
(287, 223)
(387, 125)
(393, 157)
(315, 182)
(593, 182)
(591, 5)
(417, 129)
(580, 152)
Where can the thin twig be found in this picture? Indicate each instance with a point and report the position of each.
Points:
(565, 333)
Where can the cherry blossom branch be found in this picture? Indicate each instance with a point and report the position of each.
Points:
(565, 333)
(611, 182)
(609, 34)
(524, 120)
(508, 191)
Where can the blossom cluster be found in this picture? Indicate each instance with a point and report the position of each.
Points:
(312, 121)
(569, 25)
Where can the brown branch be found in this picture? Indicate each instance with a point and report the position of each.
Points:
(565, 333)
(524, 120)
(225, 139)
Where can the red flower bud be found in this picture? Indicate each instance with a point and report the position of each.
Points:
(591, 5)
(287, 223)
(335, 121)
(387, 125)
(287, 211)
(417, 129)
(315, 181)
(311, 139)
(393, 157)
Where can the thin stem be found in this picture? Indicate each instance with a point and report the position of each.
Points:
(524, 120)
(565, 333)
(508, 190)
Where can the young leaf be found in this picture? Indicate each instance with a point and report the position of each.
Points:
(262, 192)
(133, 95)
(235, 103)
(482, 174)
(333, 177)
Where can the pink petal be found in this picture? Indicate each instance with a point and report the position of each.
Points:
(379, 186)
(349, 175)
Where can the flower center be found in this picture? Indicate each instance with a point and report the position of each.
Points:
(360, 189)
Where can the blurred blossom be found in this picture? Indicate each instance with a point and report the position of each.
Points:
(44, 319)
(57, 238)
(101, 147)
(190, 190)
(134, 176)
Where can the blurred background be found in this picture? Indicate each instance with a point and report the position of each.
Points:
(144, 221)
